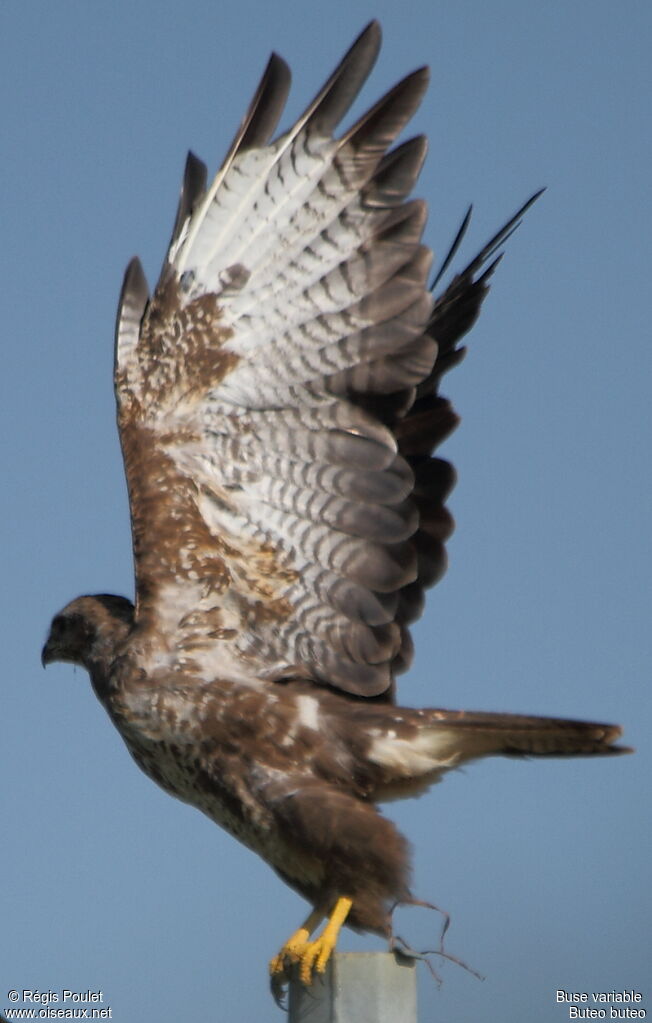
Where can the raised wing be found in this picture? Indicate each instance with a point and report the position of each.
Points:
(286, 511)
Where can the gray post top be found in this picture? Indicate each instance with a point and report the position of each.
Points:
(358, 987)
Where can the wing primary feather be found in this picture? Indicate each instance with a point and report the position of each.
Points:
(266, 107)
(501, 236)
(325, 111)
(457, 307)
(379, 126)
(488, 250)
(457, 241)
(134, 297)
(257, 125)
(192, 189)
(334, 98)
(396, 174)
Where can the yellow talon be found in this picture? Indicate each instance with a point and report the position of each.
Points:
(312, 956)
(291, 951)
(294, 946)
(317, 953)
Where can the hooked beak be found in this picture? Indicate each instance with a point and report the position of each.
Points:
(47, 655)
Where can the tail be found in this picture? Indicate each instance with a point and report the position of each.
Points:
(465, 735)
(416, 747)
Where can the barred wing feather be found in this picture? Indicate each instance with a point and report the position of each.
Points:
(284, 522)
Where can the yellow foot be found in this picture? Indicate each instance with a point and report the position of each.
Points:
(312, 956)
(290, 953)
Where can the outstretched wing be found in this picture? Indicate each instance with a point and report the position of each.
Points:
(286, 512)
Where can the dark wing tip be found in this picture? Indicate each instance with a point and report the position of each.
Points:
(367, 44)
(134, 296)
(340, 90)
(135, 289)
(490, 248)
(457, 241)
(267, 104)
(263, 113)
(192, 189)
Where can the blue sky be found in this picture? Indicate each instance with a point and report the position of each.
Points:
(105, 882)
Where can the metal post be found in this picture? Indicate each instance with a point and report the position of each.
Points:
(358, 987)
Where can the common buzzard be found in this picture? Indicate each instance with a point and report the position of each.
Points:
(278, 406)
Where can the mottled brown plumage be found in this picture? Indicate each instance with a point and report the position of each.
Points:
(278, 408)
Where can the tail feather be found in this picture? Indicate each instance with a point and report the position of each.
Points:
(415, 747)
(476, 734)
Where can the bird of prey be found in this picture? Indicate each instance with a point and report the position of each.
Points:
(278, 407)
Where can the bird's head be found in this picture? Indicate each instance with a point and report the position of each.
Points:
(88, 629)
